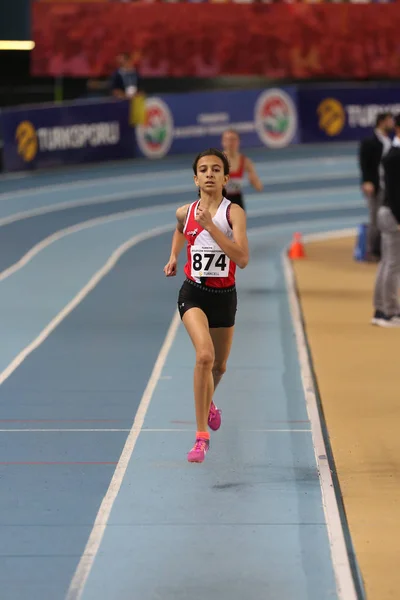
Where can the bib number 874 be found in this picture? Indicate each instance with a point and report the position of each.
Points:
(207, 263)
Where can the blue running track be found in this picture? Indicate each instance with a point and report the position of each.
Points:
(87, 342)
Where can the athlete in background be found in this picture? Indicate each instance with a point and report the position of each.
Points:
(240, 167)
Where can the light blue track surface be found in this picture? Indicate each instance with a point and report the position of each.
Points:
(249, 522)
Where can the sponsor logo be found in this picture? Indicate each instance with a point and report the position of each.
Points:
(27, 142)
(69, 137)
(275, 118)
(331, 116)
(334, 116)
(155, 135)
(364, 115)
(193, 232)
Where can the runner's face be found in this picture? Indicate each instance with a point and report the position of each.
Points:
(230, 142)
(210, 174)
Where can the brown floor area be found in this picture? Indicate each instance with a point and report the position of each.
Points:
(358, 371)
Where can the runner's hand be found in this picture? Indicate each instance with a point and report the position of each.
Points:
(203, 217)
(170, 268)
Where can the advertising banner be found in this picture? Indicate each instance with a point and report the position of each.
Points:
(48, 136)
(180, 123)
(343, 114)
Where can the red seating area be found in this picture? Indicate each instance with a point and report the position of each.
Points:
(282, 41)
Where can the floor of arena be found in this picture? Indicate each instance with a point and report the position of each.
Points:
(357, 372)
(96, 394)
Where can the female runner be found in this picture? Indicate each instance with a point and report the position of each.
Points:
(215, 232)
(240, 166)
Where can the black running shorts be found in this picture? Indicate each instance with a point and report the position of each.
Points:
(218, 304)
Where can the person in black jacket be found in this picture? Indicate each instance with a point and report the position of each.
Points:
(124, 82)
(386, 294)
(371, 152)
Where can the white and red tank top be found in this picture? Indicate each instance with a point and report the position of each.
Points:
(206, 263)
(235, 181)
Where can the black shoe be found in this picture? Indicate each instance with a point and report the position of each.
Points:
(378, 317)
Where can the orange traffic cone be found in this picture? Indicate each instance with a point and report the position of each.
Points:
(296, 249)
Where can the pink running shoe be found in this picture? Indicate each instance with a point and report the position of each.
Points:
(214, 417)
(199, 450)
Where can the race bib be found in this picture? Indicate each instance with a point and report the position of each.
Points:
(209, 262)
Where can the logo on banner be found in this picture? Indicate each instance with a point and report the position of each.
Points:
(27, 142)
(332, 116)
(30, 141)
(275, 118)
(155, 136)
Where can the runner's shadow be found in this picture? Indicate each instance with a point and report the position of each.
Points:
(263, 291)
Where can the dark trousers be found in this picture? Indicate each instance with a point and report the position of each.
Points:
(374, 235)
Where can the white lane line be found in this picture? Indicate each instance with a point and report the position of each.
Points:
(292, 227)
(83, 185)
(62, 430)
(236, 429)
(340, 559)
(144, 430)
(60, 206)
(11, 176)
(306, 208)
(277, 430)
(330, 235)
(97, 200)
(26, 258)
(306, 177)
(91, 284)
(263, 167)
(254, 197)
(58, 235)
(85, 564)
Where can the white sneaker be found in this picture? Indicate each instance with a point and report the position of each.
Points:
(389, 322)
(379, 318)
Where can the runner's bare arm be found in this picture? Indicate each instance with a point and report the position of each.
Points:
(237, 250)
(252, 175)
(178, 241)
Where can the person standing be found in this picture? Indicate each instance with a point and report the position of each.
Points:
(124, 81)
(371, 152)
(386, 293)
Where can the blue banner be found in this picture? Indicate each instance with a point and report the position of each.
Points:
(180, 123)
(343, 114)
(48, 136)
